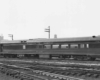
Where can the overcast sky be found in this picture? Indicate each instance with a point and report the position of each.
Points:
(27, 19)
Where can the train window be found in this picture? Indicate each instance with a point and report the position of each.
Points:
(64, 46)
(73, 45)
(40, 46)
(96, 45)
(87, 45)
(82, 46)
(24, 46)
(47, 46)
(12, 47)
(32, 46)
(55, 46)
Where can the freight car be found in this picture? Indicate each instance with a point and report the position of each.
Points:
(81, 48)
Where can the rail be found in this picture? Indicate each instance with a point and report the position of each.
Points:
(52, 75)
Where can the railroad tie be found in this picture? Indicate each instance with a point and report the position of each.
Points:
(51, 75)
(55, 76)
(88, 74)
(47, 74)
(96, 75)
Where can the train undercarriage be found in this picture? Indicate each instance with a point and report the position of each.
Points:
(51, 56)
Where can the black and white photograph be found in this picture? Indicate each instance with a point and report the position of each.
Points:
(49, 40)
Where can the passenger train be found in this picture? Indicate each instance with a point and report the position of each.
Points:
(80, 48)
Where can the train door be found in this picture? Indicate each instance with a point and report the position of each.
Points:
(1, 47)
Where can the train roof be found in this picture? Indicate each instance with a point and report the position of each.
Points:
(9, 41)
(76, 39)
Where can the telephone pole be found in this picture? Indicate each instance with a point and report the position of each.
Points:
(48, 30)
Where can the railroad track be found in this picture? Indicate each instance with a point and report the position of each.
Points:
(31, 74)
(61, 71)
(88, 74)
(56, 62)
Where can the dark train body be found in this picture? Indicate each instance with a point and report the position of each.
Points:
(83, 48)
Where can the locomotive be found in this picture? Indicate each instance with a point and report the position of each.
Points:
(79, 48)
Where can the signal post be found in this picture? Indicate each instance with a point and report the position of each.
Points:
(48, 30)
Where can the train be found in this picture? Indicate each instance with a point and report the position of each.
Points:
(77, 48)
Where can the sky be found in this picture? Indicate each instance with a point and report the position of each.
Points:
(27, 19)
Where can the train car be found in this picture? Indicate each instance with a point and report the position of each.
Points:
(81, 48)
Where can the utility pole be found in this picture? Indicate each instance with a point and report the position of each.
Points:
(48, 30)
(11, 35)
